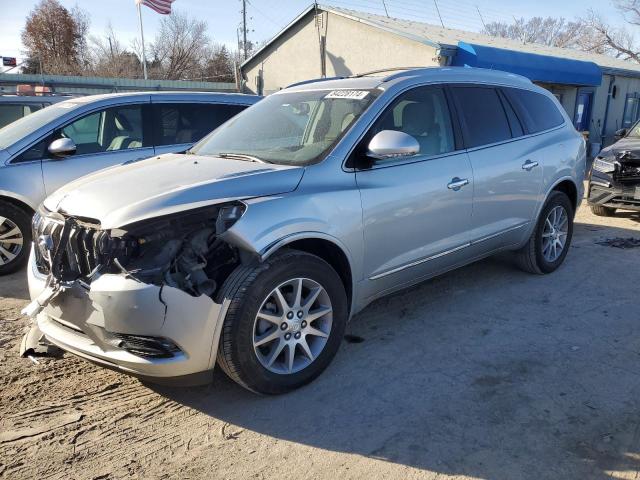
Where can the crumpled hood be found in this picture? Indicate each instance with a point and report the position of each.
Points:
(631, 144)
(171, 183)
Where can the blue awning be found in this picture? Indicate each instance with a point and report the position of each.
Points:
(538, 68)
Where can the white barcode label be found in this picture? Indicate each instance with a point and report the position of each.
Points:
(349, 94)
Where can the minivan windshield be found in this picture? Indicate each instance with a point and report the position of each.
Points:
(19, 129)
(291, 128)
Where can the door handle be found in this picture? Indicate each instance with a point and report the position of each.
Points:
(457, 183)
(528, 165)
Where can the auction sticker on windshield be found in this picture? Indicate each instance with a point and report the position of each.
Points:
(349, 94)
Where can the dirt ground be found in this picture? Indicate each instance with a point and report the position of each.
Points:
(486, 372)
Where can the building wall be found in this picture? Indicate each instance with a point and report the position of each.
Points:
(350, 47)
(354, 47)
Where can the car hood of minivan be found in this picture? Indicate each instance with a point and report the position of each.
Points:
(167, 184)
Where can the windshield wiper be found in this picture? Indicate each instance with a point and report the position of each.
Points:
(241, 156)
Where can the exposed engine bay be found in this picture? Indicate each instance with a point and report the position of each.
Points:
(627, 167)
(183, 250)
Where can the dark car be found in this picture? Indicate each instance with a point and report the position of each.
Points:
(614, 180)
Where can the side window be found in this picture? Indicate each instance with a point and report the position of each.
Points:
(115, 128)
(536, 110)
(180, 123)
(35, 152)
(424, 114)
(482, 114)
(10, 113)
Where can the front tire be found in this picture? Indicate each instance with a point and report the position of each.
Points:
(15, 237)
(284, 324)
(549, 243)
(602, 211)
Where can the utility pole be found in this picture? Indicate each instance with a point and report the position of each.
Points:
(244, 28)
(438, 11)
(484, 25)
(385, 8)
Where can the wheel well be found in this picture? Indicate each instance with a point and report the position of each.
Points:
(18, 203)
(330, 253)
(570, 190)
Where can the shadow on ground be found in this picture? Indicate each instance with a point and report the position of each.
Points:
(486, 372)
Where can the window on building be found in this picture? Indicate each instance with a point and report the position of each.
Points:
(188, 122)
(631, 110)
(537, 111)
(483, 116)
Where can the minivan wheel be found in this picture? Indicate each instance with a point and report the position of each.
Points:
(602, 211)
(15, 237)
(549, 243)
(284, 324)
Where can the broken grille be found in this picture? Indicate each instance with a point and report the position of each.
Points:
(65, 247)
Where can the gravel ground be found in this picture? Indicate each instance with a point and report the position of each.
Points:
(486, 372)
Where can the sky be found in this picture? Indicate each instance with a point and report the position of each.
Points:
(268, 17)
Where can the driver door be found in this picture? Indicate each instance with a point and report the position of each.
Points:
(416, 210)
(103, 138)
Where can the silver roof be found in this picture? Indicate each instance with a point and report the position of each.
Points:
(449, 38)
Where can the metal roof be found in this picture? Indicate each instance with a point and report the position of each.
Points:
(448, 39)
(115, 83)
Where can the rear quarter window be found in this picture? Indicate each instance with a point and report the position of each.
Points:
(538, 112)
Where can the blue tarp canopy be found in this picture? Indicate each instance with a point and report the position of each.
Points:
(539, 68)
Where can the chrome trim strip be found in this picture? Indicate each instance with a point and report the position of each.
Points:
(418, 262)
(501, 232)
(446, 252)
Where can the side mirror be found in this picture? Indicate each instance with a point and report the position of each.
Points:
(392, 144)
(62, 147)
(620, 133)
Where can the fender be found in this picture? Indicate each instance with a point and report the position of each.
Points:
(19, 198)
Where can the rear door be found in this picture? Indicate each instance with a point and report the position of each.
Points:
(416, 210)
(104, 137)
(178, 125)
(507, 176)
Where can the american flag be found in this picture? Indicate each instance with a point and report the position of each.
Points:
(162, 7)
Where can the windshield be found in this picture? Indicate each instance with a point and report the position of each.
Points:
(26, 125)
(634, 131)
(292, 128)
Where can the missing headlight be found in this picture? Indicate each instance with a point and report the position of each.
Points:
(184, 250)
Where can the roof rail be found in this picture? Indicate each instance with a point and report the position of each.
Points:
(313, 80)
(383, 70)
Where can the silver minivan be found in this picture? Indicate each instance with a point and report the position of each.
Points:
(41, 152)
(255, 247)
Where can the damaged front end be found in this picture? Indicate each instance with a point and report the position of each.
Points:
(140, 298)
(615, 180)
(182, 250)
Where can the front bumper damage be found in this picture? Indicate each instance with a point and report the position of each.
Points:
(92, 322)
(620, 187)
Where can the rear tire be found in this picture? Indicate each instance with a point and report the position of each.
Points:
(602, 211)
(242, 354)
(15, 237)
(537, 256)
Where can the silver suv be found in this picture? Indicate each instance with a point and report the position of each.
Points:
(43, 151)
(255, 247)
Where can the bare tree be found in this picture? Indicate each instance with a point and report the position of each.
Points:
(108, 58)
(178, 47)
(218, 64)
(55, 39)
(590, 33)
(598, 36)
(555, 32)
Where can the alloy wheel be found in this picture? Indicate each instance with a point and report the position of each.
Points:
(11, 241)
(554, 234)
(292, 326)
